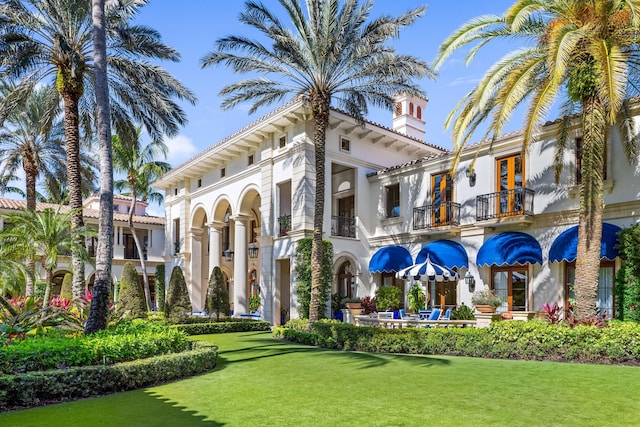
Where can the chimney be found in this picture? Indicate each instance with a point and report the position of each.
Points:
(407, 117)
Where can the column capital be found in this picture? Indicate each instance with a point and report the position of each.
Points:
(216, 225)
(241, 217)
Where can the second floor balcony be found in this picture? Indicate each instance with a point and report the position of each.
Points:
(436, 215)
(343, 226)
(504, 204)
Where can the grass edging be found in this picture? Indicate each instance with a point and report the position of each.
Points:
(34, 388)
(223, 327)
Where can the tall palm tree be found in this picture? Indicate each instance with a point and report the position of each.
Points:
(45, 236)
(51, 40)
(98, 312)
(141, 168)
(585, 51)
(332, 55)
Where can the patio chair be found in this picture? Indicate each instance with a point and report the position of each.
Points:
(447, 315)
(405, 316)
(435, 314)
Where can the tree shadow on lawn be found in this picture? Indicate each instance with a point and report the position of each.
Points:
(271, 347)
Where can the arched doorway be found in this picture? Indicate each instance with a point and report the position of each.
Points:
(199, 259)
(345, 282)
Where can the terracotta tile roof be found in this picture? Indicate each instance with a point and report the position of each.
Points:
(11, 204)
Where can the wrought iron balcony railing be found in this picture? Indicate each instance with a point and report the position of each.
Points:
(506, 203)
(436, 215)
(284, 225)
(343, 226)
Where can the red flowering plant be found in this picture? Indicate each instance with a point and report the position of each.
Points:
(553, 313)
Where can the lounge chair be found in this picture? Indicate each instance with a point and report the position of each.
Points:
(405, 316)
(447, 315)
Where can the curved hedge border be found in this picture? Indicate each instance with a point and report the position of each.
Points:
(619, 342)
(224, 327)
(35, 388)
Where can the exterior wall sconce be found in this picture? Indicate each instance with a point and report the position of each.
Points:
(252, 250)
(470, 281)
(228, 254)
(471, 174)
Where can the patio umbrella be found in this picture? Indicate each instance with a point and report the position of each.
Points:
(427, 271)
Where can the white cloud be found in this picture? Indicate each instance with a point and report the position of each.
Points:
(180, 149)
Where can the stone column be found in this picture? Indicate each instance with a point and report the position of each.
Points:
(240, 301)
(196, 288)
(215, 230)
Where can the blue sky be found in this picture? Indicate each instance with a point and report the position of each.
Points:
(192, 27)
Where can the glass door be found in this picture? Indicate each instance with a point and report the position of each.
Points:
(510, 176)
(441, 198)
(511, 284)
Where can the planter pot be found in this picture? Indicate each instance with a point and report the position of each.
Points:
(353, 305)
(486, 308)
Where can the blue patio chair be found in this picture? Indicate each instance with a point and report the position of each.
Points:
(447, 315)
(405, 316)
(424, 314)
(435, 314)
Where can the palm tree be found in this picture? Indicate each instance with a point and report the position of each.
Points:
(585, 51)
(46, 236)
(98, 313)
(141, 168)
(333, 54)
(52, 40)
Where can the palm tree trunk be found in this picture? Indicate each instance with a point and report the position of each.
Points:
(591, 208)
(7, 306)
(320, 104)
(99, 309)
(71, 92)
(143, 265)
(48, 281)
(31, 172)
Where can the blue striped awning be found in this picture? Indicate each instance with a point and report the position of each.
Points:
(390, 259)
(446, 253)
(509, 248)
(565, 247)
(426, 270)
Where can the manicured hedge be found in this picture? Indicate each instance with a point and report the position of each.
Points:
(129, 341)
(35, 388)
(619, 342)
(223, 327)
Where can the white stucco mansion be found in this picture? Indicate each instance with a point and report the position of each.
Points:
(392, 201)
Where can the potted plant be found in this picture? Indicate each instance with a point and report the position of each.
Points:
(389, 298)
(254, 303)
(486, 301)
(352, 303)
(417, 298)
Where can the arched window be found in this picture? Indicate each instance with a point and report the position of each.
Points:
(419, 112)
(399, 109)
(411, 108)
(345, 280)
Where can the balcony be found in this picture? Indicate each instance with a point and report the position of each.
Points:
(517, 202)
(440, 215)
(284, 225)
(343, 226)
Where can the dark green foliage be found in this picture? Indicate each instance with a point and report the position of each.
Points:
(32, 388)
(217, 295)
(178, 306)
(388, 298)
(128, 341)
(66, 290)
(628, 278)
(131, 298)
(463, 312)
(159, 285)
(302, 271)
(246, 325)
(619, 342)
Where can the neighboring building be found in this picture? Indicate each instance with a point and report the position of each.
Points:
(391, 200)
(150, 230)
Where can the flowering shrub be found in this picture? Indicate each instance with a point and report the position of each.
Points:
(368, 305)
(553, 312)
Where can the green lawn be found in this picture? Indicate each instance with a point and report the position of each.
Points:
(261, 382)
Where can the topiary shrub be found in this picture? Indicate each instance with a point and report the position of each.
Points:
(302, 270)
(66, 290)
(131, 301)
(627, 286)
(217, 295)
(388, 298)
(159, 285)
(178, 306)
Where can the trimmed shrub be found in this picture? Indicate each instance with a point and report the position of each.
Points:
(34, 388)
(627, 285)
(619, 342)
(388, 298)
(66, 291)
(178, 306)
(38, 289)
(302, 271)
(223, 327)
(131, 302)
(217, 295)
(159, 285)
